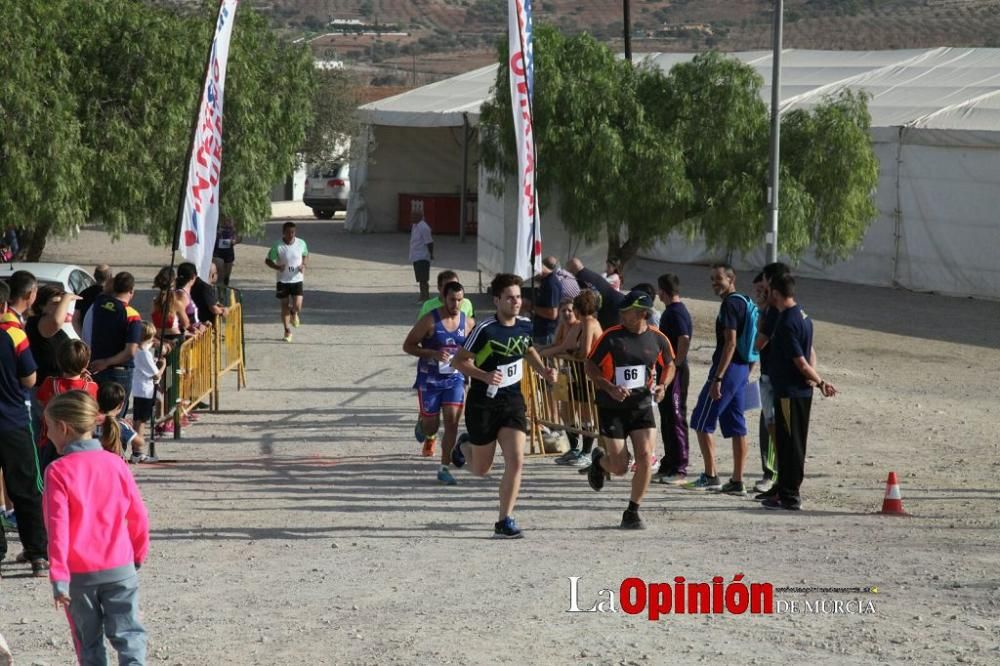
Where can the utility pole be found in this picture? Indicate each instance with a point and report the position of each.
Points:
(627, 11)
(772, 189)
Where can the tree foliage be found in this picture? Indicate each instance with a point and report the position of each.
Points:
(97, 101)
(636, 152)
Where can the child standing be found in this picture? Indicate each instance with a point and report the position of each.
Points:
(115, 434)
(144, 377)
(73, 357)
(98, 535)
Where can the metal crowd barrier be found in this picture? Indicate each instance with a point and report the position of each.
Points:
(195, 368)
(570, 405)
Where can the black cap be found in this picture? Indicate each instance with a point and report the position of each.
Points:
(638, 300)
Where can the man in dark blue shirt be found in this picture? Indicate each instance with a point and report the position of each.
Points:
(675, 323)
(765, 329)
(545, 318)
(115, 333)
(17, 446)
(721, 399)
(792, 380)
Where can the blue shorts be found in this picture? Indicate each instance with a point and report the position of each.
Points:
(431, 398)
(728, 411)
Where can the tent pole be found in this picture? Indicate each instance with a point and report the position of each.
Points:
(462, 216)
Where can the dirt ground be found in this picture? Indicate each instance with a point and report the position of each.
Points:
(299, 525)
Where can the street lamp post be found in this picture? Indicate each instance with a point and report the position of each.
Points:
(772, 189)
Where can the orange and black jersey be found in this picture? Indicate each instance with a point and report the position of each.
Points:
(633, 360)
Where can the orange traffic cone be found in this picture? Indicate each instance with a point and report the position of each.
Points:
(892, 505)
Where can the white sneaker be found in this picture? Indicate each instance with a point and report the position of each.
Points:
(763, 485)
(674, 479)
(140, 458)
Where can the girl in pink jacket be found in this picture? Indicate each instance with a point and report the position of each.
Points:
(98, 535)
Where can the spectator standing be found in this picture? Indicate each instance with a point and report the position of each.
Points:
(115, 332)
(545, 318)
(675, 323)
(103, 278)
(613, 273)
(73, 359)
(100, 530)
(225, 241)
(23, 291)
(168, 315)
(17, 452)
(144, 377)
(205, 296)
(721, 398)
(792, 380)
(421, 252)
(45, 329)
(767, 323)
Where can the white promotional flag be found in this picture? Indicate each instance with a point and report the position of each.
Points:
(529, 236)
(200, 215)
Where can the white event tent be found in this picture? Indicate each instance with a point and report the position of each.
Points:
(935, 129)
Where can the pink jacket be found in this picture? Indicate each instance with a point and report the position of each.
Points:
(97, 523)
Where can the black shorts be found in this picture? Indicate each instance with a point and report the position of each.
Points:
(287, 289)
(422, 270)
(142, 409)
(619, 423)
(484, 419)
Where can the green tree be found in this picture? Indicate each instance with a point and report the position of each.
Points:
(334, 107)
(615, 171)
(637, 153)
(41, 165)
(96, 108)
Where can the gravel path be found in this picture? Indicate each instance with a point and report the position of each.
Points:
(299, 525)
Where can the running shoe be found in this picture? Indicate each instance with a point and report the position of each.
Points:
(40, 567)
(763, 485)
(418, 432)
(143, 458)
(595, 474)
(506, 529)
(457, 457)
(8, 521)
(568, 457)
(774, 504)
(288, 336)
(295, 320)
(767, 494)
(704, 483)
(582, 460)
(652, 463)
(673, 479)
(632, 521)
(445, 477)
(734, 488)
(428, 449)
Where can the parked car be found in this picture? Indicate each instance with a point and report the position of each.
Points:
(327, 190)
(68, 277)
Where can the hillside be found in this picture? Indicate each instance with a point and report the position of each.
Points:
(402, 42)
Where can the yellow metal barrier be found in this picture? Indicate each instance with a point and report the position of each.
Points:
(198, 377)
(569, 405)
(229, 345)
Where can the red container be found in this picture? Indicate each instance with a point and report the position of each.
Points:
(440, 210)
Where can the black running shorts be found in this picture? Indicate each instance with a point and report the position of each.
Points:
(619, 423)
(485, 418)
(287, 289)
